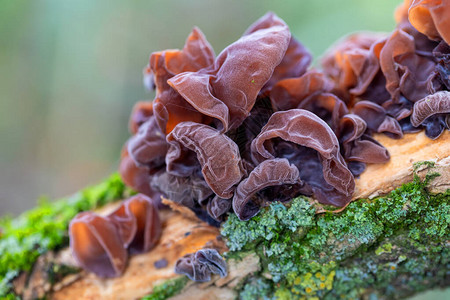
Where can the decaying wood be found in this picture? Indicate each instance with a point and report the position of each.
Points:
(380, 179)
(182, 235)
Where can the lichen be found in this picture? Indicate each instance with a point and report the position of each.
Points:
(44, 228)
(370, 248)
(167, 289)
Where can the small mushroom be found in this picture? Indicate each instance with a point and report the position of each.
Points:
(200, 265)
(97, 245)
(431, 113)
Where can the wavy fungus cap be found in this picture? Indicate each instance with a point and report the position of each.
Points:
(304, 128)
(139, 224)
(228, 89)
(289, 93)
(377, 119)
(200, 265)
(406, 72)
(431, 112)
(358, 146)
(431, 17)
(141, 112)
(100, 244)
(97, 245)
(296, 60)
(352, 63)
(269, 173)
(133, 176)
(217, 154)
(148, 146)
(170, 108)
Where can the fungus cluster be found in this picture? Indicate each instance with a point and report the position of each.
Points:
(255, 124)
(102, 244)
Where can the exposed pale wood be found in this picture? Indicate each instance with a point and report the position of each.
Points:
(141, 275)
(379, 179)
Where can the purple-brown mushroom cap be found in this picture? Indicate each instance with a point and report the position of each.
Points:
(303, 128)
(228, 89)
(269, 173)
(97, 245)
(217, 154)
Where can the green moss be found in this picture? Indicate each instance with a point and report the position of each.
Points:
(385, 248)
(44, 228)
(167, 289)
(368, 248)
(427, 163)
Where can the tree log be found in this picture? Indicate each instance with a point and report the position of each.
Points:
(394, 261)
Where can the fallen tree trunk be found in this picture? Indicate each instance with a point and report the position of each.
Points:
(390, 246)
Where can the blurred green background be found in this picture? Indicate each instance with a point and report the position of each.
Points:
(70, 72)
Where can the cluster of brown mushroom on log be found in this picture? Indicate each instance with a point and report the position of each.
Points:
(255, 124)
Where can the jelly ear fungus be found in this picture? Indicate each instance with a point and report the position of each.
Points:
(102, 244)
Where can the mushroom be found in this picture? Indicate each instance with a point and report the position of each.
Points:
(200, 265)
(227, 90)
(276, 172)
(431, 112)
(97, 245)
(217, 154)
(310, 144)
(430, 17)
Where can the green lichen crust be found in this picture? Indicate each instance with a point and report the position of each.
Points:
(44, 228)
(389, 247)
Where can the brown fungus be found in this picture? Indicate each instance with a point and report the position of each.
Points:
(218, 207)
(97, 245)
(377, 119)
(358, 146)
(274, 172)
(190, 191)
(352, 64)
(148, 146)
(200, 265)
(169, 107)
(100, 244)
(142, 111)
(217, 154)
(288, 93)
(431, 112)
(133, 176)
(313, 148)
(138, 221)
(431, 17)
(442, 72)
(296, 60)
(406, 72)
(227, 90)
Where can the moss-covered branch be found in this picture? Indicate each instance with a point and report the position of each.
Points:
(44, 228)
(389, 247)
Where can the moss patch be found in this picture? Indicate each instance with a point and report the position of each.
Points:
(167, 289)
(44, 228)
(391, 246)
